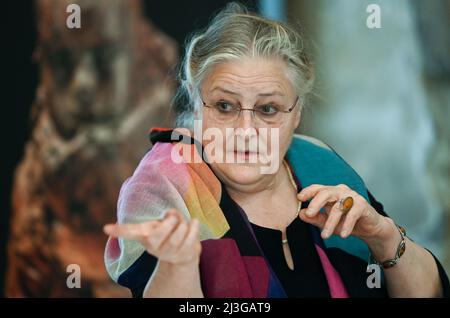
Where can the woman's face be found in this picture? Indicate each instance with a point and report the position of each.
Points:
(262, 141)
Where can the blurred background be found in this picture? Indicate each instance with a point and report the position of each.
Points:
(79, 103)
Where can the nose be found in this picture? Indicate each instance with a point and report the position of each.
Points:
(247, 131)
(85, 81)
(85, 76)
(246, 119)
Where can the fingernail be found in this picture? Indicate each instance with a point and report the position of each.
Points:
(344, 233)
(309, 212)
(324, 233)
(107, 228)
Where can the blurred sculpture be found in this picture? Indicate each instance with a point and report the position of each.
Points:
(101, 88)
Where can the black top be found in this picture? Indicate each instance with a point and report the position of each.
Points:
(308, 278)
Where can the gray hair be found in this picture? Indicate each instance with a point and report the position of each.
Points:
(235, 33)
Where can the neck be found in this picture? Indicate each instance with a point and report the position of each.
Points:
(261, 191)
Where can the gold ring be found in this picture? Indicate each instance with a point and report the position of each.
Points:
(345, 204)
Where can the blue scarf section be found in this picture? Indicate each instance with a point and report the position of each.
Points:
(314, 164)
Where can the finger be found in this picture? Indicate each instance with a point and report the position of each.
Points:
(109, 228)
(309, 192)
(323, 196)
(193, 234)
(160, 234)
(129, 231)
(350, 220)
(174, 241)
(333, 219)
(318, 220)
(190, 246)
(328, 206)
(137, 231)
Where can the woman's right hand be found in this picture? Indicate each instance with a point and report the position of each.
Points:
(172, 240)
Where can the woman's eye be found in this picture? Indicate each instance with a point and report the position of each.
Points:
(268, 109)
(225, 106)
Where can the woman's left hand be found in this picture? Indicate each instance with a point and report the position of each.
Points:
(362, 220)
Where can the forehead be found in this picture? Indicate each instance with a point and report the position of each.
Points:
(246, 75)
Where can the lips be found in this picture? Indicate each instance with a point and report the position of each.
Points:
(245, 154)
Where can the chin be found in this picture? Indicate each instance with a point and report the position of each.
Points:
(241, 173)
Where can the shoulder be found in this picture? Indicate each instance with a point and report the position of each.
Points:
(315, 162)
(300, 138)
(310, 148)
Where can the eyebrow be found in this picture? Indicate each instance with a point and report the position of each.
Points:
(271, 94)
(237, 94)
(225, 91)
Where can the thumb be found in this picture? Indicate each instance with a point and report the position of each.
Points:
(318, 220)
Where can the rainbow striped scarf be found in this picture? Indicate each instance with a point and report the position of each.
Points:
(159, 184)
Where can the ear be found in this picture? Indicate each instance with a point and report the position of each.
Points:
(297, 117)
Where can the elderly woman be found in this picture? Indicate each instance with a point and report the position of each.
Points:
(189, 226)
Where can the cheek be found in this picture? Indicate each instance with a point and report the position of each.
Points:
(279, 138)
(285, 138)
(215, 145)
(207, 123)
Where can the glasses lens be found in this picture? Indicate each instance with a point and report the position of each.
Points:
(224, 112)
(269, 115)
(265, 115)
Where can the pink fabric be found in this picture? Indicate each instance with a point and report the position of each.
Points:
(247, 277)
(219, 279)
(337, 287)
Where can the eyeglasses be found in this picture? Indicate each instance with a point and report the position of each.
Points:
(224, 112)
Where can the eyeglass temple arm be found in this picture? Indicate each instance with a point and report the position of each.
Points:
(293, 106)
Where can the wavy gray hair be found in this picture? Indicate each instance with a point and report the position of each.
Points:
(235, 33)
